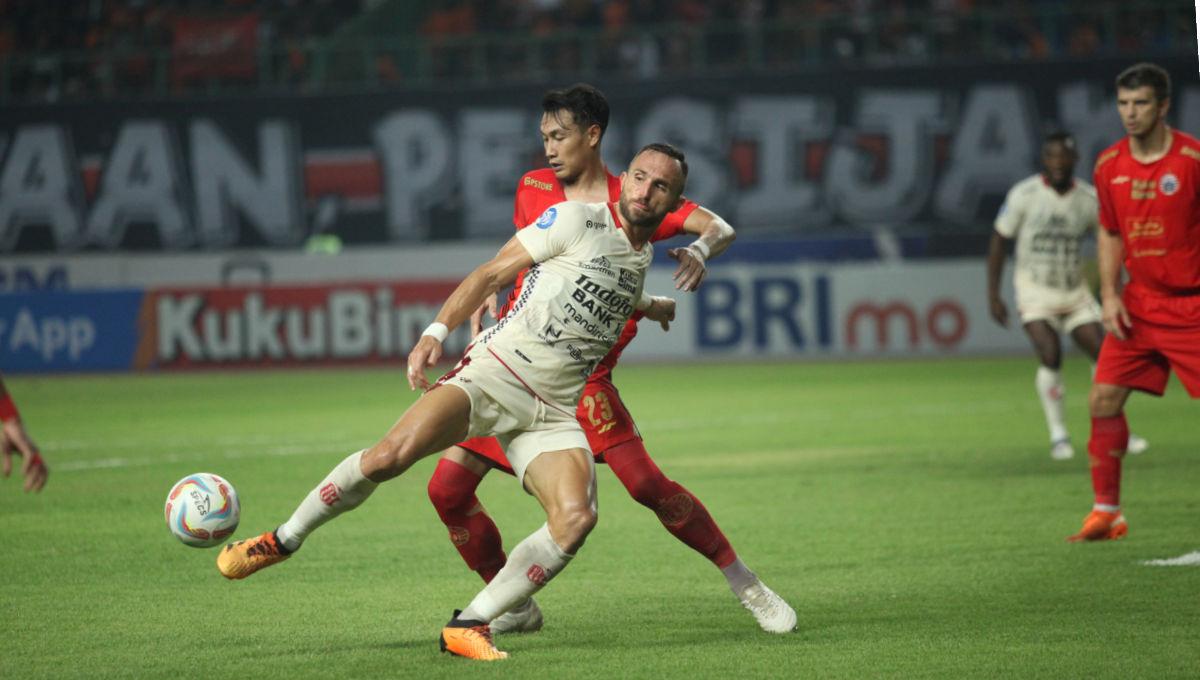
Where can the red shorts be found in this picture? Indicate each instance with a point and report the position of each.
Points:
(1145, 359)
(603, 416)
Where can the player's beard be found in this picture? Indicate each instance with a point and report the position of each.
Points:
(648, 220)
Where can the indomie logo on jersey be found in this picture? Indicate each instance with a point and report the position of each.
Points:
(1169, 184)
(547, 218)
(589, 292)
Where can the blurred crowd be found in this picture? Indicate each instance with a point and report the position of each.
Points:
(83, 49)
(75, 49)
(740, 33)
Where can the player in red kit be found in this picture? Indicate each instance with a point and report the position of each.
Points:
(572, 126)
(1148, 185)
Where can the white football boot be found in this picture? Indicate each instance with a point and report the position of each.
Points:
(1136, 445)
(772, 613)
(524, 618)
(1062, 450)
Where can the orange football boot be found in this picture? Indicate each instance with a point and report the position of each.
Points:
(469, 639)
(239, 560)
(1101, 526)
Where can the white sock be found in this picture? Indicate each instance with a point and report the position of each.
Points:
(739, 576)
(1050, 390)
(1105, 508)
(531, 565)
(345, 488)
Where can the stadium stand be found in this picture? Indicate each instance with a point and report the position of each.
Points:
(114, 49)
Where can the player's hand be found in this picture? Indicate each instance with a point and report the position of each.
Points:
(488, 307)
(691, 270)
(662, 310)
(427, 353)
(1115, 317)
(13, 439)
(998, 310)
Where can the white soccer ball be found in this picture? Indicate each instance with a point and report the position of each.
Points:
(202, 510)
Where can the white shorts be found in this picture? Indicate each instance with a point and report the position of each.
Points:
(1064, 310)
(502, 407)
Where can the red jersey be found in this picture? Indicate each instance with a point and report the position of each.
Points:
(539, 190)
(1155, 207)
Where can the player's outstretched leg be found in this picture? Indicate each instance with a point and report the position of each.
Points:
(686, 518)
(343, 489)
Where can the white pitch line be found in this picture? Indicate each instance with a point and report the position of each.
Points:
(1191, 559)
(293, 449)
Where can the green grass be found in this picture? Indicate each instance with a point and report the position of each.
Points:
(908, 510)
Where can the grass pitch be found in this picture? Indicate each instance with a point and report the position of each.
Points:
(908, 510)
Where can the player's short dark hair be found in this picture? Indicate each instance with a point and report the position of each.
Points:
(588, 105)
(670, 151)
(1146, 74)
(1060, 137)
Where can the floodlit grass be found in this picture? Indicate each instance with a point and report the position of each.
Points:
(908, 510)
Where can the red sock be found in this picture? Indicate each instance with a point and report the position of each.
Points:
(681, 513)
(473, 533)
(1106, 447)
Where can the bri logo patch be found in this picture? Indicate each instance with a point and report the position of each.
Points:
(547, 218)
(1169, 184)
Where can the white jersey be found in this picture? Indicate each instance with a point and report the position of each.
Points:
(1049, 228)
(574, 302)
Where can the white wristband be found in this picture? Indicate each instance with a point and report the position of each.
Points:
(701, 248)
(437, 330)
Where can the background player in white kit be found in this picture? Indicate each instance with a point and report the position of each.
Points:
(1049, 215)
(519, 381)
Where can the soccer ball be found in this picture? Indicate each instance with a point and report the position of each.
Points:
(202, 510)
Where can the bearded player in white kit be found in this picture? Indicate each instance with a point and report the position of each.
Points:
(520, 381)
(1049, 215)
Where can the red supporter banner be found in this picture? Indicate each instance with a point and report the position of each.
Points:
(332, 324)
(214, 48)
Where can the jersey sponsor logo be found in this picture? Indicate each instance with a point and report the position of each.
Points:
(330, 494)
(628, 281)
(1120, 179)
(547, 218)
(1143, 190)
(595, 225)
(598, 264)
(536, 184)
(1168, 184)
(589, 292)
(1148, 228)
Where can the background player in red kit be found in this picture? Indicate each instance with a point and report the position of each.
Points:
(572, 127)
(1148, 185)
(14, 439)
